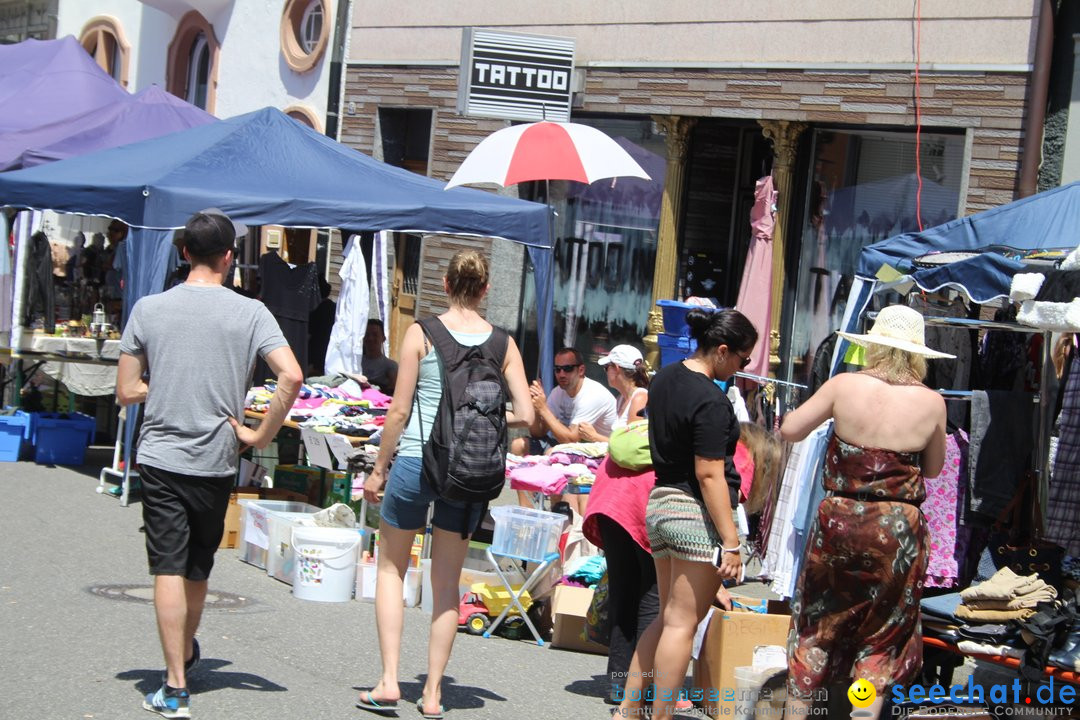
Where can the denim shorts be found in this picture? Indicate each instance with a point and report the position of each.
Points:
(407, 498)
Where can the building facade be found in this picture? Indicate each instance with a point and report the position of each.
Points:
(825, 99)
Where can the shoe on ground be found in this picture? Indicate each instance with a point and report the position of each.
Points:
(169, 702)
(191, 664)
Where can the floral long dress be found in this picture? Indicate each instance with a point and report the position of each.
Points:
(855, 612)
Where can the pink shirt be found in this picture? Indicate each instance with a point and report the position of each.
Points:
(621, 495)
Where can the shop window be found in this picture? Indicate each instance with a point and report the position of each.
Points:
(406, 138)
(103, 39)
(861, 189)
(305, 33)
(193, 60)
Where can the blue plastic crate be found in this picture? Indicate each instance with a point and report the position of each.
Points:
(62, 438)
(674, 348)
(674, 313)
(13, 431)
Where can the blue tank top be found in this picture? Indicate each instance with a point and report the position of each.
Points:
(429, 392)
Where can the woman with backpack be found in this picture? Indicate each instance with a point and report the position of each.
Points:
(409, 423)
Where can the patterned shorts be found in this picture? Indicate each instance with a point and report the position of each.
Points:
(679, 526)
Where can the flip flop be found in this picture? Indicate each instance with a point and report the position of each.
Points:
(430, 716)
(367, 702)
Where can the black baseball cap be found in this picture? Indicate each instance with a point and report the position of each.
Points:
(209, 232)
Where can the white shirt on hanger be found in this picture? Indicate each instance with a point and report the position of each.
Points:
(346, 349)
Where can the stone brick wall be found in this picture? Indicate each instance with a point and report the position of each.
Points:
(991, 105)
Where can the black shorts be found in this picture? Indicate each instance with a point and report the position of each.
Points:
(184, 517)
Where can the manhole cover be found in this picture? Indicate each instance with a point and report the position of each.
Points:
(215, 599)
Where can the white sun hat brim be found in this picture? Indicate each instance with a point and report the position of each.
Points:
(906, 345)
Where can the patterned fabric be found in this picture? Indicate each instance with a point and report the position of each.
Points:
(855, 612)
(1063, 503)
(679, 526)
(942, 507)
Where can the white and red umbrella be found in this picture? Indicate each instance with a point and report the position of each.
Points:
(546, 151)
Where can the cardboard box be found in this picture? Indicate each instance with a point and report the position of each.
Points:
(231, 536)
(729, 643)
(302, 479)
(569, 606)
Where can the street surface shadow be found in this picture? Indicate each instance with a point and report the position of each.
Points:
(598, 687)
(455, 697)
(210, 677)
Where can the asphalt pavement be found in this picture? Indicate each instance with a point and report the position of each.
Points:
(79, 640)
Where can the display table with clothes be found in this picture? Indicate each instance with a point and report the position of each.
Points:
(345, 408)
(260, 416)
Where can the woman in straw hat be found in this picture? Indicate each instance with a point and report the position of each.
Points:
(855, 612)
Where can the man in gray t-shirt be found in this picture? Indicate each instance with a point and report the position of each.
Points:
(188, 353)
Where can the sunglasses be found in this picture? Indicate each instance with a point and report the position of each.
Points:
(744, 360)
(566, 368)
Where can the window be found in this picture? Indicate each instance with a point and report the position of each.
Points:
(311, 27)
(102, 38)
(193, 59)
(198, 78)
(406, 138)
(306, 115)
(862, 189)
(304, 33)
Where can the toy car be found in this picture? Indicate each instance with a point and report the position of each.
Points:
(483, 603)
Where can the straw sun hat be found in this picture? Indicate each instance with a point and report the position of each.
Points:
(900, 327)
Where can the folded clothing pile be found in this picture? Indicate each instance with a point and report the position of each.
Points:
(1005, 596)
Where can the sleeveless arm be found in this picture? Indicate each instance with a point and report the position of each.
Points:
(799, 422)
(514, 372)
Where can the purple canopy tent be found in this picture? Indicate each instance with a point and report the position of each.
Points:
(42, 81)
(148, 114)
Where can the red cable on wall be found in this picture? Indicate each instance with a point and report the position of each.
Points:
(918, 115)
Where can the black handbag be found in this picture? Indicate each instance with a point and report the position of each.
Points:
(1018, 545)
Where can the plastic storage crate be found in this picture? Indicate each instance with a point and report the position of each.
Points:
(674, 348)
(255, 526)
(62, 438)
(525, 533)
(14, 430)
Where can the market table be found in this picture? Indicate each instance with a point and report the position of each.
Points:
(86, 366)
(1053, 671)
(355, 440)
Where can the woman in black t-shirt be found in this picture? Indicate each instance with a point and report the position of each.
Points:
(692, 434)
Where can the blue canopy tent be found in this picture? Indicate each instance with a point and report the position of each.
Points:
(266, 168)
(147, 114)
(990, 246)
(261, 168)
(42, 81)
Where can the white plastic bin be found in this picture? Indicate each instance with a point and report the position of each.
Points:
(255, 526)
(280, 555)
(325, 567)
(366, 575)
(525, 533)
(410, 590)
(413, 588)
(748, 684)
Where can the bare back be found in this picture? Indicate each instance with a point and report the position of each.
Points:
(892, 417)
(870, 412)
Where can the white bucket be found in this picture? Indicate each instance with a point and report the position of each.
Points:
(325, 567)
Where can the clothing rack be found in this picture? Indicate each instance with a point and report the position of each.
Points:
(965, 395)
(769, 380)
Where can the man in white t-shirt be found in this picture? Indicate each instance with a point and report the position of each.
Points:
(577, 399)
